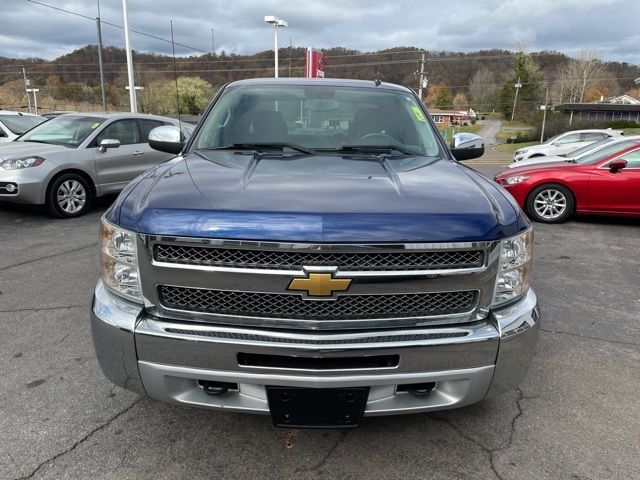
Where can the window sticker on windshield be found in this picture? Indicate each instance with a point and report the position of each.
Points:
(94, 126)
(418, 113)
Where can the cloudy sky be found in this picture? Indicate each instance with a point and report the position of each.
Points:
(608, 26)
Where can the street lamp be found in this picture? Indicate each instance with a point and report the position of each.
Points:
(35, 96)
(276, 22)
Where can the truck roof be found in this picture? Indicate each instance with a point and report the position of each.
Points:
(336, 82)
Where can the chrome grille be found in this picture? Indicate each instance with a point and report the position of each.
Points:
(292, 260)
(278, 305)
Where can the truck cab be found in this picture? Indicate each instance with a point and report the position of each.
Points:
(315, 252)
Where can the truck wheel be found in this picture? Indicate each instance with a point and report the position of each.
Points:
(550, 203)
(69, 196)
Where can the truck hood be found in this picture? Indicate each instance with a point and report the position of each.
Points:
(23, 149)
(317, 199)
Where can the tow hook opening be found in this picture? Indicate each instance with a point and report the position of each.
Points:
(417, 389)
(216, 388)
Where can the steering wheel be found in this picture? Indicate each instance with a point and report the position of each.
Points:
(377, 139)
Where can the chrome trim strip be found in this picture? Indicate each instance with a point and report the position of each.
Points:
(476, 332)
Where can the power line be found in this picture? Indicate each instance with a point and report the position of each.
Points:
(115, 25)
(198, 60)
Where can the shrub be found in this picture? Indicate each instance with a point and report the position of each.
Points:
(623, 124)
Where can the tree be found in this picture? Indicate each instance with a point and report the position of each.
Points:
(578, 75)
(634, 92)
(443, 100)
(483, 89)
(528, 74)
(460, 100)
(160, 97)
(596, 92)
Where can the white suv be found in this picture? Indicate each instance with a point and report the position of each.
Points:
(14, 124)
(564, 143)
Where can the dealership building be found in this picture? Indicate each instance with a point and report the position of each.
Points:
(623, 107)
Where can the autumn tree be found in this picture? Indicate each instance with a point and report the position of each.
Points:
(159, 97)
(596, 92)
(460, 101)
(578, 75)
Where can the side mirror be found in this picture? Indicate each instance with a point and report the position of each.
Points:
(465, 146)
(166, 139)
(108, 143)
(617, 164)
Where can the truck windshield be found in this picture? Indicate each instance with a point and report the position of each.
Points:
(323, 118)
(69, 131)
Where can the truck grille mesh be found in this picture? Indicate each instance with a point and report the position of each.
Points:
(278, 305)
(291, 260)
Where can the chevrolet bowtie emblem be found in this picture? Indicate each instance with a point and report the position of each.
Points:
(320, 284)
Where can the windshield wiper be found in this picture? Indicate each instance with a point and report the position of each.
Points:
(263, 146)
(373, 149)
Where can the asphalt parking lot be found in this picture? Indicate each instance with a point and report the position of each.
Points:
(576, 416)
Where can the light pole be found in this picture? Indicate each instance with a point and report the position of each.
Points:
(127, 45)
(276, 22)
(35, 97)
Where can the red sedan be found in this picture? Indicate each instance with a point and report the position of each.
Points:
(605, 182)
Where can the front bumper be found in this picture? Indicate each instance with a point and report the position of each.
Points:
(30, 182)
(167, 359)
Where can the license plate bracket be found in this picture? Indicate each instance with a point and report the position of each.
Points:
(317, 407)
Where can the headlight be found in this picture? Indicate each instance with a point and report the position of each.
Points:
(19, 163)
(520, 152)
(514, 269)
(119, 261)
(515, 180)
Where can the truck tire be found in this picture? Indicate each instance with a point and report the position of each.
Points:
(69, 196)
(550, 203)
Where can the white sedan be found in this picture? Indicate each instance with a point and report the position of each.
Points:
(564, 143)
(576, 154)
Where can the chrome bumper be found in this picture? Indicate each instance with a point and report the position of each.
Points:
(165, 359)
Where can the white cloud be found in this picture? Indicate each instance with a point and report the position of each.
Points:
(465, 25)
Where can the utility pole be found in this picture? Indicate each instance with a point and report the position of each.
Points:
(35, 97)
(422, 72)
(515, 100)
(26, 87)
(290, 46)
(104, 95)
(544, 115)
(127, 44)
(213, 44)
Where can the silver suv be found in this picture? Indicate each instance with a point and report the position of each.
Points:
(71, 159)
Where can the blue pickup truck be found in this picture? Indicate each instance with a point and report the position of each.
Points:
(315, 252)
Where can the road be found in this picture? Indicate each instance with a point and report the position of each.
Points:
(576, 416)
(490, 129)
